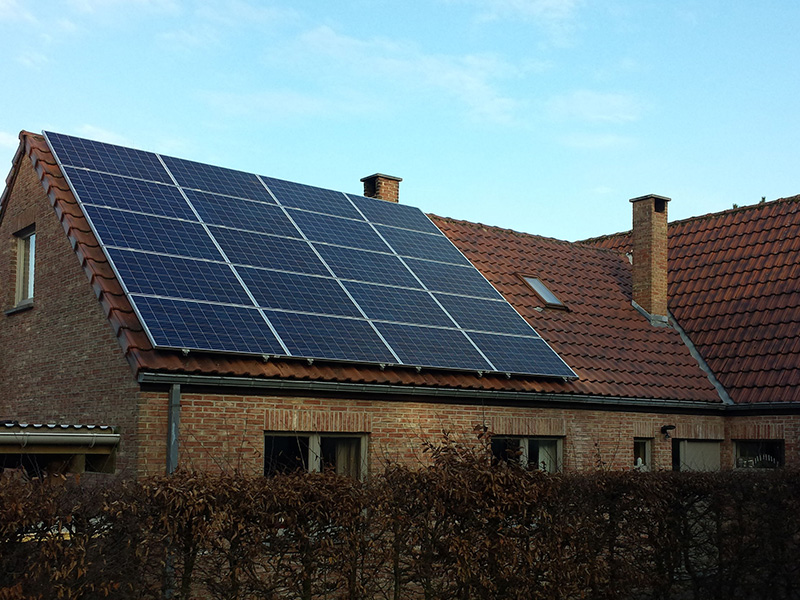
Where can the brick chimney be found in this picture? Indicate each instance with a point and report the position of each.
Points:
(383, 187)
(650, 256)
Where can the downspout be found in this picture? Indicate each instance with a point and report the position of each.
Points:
(173, 427)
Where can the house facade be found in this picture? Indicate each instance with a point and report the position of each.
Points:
(668, 375)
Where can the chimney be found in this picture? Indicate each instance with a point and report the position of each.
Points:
(650, 256)
(383, 187)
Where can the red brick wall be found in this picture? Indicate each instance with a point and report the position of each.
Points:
(59, 361)
(225, 431)
(650, 255)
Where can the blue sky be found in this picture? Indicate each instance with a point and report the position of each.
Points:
(543, 116)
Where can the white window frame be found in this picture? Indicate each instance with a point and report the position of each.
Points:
(648, 454)
(314, 459)
(26, 265)
(525, 444)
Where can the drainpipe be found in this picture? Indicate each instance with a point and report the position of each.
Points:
(173, 427)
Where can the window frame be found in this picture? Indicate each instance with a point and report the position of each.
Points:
(545, 294)
(524, 445)
(647, 464)
(25, 266)
(738, 460)
(313, 461)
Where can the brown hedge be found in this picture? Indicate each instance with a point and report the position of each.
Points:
(463, 527)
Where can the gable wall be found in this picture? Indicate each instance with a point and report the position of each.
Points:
(226, 431)
(59, 361)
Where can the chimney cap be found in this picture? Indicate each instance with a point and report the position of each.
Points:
(648, 197)
(381, 176)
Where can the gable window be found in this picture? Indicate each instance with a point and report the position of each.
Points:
(642, 449)
(345, 454)
(548, 297)
(26, 261)
(543, 453)
(759, 454)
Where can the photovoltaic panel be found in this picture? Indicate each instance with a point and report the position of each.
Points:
(237, 213)
(371, 267)
(418, 345)
(398, 304)
(521, 355)
(218, 180)
(268, 251)
(302, 293)
(130, 194)
(220, 260)
(452, 279)
(330, 337)
(484, 315)
(107, 158)
(152, 234)
(398, 215)
(201, 326)
(422, 245)
(335, 230)
(315, 199)
(160, 275)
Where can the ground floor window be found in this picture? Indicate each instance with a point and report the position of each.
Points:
(695, 455)
(758, 454)
(544, 453)
(642, 454)
(346, 454)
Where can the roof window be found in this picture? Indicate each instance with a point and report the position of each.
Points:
(548, 297)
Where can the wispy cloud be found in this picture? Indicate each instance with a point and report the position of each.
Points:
(104, 135)
(596, 107)
(8, 141)
(33, 60)
(596, 141)
(15, 11)
(400, 73)
(557, 18)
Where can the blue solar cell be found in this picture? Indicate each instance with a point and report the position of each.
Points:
(495, 316)
(200, 326)
(371, 267)
(442, 277)
(152, 234)
(398, 304)
(422, 245)
(391, 213)
(178, 277)
(302, 293)
(432, 347)
(335, 230)
(312, 198)
(269, 251)
(217, 179)
(131, 194)
(333, 338)
(528, 355)
(242, 214)
(108, 158)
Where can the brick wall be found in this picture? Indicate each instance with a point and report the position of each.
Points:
(225, 431)
(650, 253)
(59, 361)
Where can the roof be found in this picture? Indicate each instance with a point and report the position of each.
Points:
(612, 348)
(734, 287)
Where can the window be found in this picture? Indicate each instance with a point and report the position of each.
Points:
(26, 260)
(642, 449)
(548, 297)
(695, 455)
(759, 454)
(543, 453)
(346, 454)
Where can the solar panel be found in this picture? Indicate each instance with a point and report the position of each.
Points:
(219, 260)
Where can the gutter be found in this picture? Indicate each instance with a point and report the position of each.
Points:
(90, 440)
(259, 384)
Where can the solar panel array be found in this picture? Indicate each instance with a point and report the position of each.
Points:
(219, 260)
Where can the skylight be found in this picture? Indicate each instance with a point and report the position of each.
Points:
(549, 298)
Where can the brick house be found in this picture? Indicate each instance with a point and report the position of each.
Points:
(691, 367)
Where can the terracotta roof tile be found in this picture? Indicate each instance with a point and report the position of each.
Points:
(613, 349)
(735, 288)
